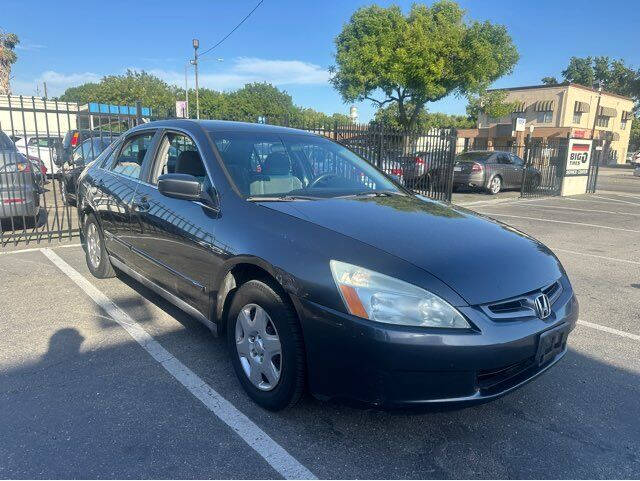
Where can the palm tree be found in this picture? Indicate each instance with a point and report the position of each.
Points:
(8, 42)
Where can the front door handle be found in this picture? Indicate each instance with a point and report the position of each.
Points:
(141, 205)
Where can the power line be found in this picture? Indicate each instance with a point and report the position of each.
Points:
(234, 29)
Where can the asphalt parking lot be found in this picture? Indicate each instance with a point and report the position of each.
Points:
(88, 389)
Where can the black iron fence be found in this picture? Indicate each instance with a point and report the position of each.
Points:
(535, 167)
(45, 145)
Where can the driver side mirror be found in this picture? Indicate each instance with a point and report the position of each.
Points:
(185, 187)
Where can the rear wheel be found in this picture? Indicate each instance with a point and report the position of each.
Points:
(266, 346)
(495, 185)
(95, 252)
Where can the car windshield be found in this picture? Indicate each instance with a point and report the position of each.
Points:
(281, 166)
(474, 156)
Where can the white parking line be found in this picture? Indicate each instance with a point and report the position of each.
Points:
(610, 330)
(596, 256)
(585, 210)
(561, 222)
(271, 451)
(618, 200)
(34, 249)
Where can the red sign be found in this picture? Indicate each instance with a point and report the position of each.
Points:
(580, 148)
(579, 134)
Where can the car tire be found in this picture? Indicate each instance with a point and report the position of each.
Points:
(261, 323)
(95, 251)
(495, 185)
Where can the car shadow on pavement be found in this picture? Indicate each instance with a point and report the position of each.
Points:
(579, 420)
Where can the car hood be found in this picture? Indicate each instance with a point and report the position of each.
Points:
(482, 260)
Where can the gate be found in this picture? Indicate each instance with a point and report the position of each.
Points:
(545, 164)
(421, 160)
(44, 145)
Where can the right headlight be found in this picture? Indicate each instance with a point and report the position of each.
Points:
(381, 298)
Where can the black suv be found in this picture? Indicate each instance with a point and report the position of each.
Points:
(320, 269)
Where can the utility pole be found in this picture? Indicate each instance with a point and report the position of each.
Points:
(186, 88)
(45, 90)
(196, 44)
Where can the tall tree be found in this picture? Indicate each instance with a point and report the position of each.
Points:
(492, 103)
(409, 60)
(550, 81)
(8, 57)
(614, 75)
(126, 90)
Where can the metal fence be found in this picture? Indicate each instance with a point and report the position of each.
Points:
(45, 144)
(534, 167)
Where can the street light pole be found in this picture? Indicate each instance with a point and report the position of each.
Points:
(186, 89)
(196, 44)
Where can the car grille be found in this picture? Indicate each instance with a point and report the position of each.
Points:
(521, 306)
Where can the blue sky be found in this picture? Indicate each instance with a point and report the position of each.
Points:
(286, 42)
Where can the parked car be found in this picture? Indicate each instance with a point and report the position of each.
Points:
(492, 170)
(20, 184)
(83, 154)
(419, 169)
(43, 148)
(347, 284)
(73, 138)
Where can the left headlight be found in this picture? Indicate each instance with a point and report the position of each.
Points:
(381, 298)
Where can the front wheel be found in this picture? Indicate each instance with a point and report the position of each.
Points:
(495, 185)
(95, 251)
(266, 346)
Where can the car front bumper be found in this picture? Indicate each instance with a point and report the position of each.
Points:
(397, 366)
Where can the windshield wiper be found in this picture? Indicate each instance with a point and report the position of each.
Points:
(280, 198)
(373, 193)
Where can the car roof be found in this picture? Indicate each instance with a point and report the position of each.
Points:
(223, 126)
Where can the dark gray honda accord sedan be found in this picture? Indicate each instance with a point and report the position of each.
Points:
(321, 271)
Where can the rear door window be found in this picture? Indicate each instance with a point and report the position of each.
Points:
(132, 155)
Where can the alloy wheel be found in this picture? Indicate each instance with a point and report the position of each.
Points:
(258, 346)
(495, 185)
(93, 245)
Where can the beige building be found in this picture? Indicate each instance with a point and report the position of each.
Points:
(564, 110)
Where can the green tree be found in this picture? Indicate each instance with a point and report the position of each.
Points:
(550, 81)
(613, 75)
(634, 140)
(388, 115)
(8, 57)
(126, 90)
(389, 58)
(492, 103)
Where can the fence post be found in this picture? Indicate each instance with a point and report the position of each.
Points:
(381, 146)
(138, 112)
(453, 145)
(526, 164)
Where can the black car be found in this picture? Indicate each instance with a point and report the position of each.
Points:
(83, 154)
(321, 270)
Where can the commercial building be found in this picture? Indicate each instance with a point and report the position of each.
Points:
(562, 110)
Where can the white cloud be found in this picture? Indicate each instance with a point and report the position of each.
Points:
(244, 70)
(57, 82)
(219, 76)
(30, 46)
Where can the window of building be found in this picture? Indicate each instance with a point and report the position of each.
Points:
(577, 117)
(602, 121)
(623, 124)
(544, 117)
